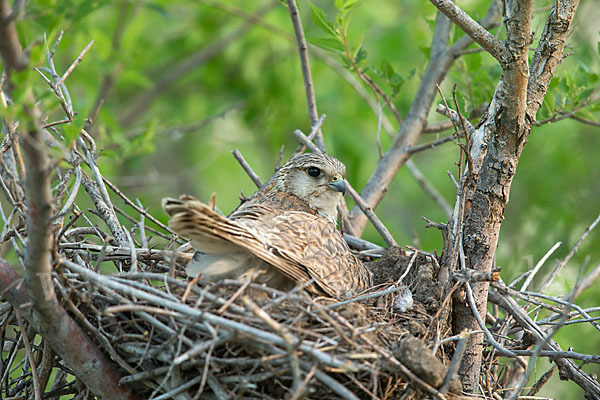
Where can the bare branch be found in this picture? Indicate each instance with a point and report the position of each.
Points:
(428, 188)
(10, 48)
(477, 32)
(61, 332)
(311, 101)
(74, 65)
(253, 176)
(441, 57)
(549, 53)
(571, 253)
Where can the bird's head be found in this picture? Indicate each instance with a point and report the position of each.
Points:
(315, 178)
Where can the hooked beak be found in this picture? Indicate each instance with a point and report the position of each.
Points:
(338, 185)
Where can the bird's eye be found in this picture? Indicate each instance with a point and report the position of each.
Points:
(313, 171)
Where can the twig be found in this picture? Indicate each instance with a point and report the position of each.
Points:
(568, 367)
(562, 263)
(408, 267)
(314, 129)
(431, 145)
(253, 176)
(391, 289)
(115, 189)
(501, 349)
(285, 335)
(537, 267)
(32, 363)
(455, 364)
(541, 343)
(334, 385)
(477, 32)
(428, 188)
(74, 65)
(362, 244)
(101, 376)
(322, 357)
(311, 101)
(542, 381)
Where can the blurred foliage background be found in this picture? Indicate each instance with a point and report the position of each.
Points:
(184, 82)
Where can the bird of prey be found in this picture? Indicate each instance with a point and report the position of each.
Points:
(288, 233)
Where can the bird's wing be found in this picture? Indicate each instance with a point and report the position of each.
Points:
(300, 244)
(198, 222)
(321, 250)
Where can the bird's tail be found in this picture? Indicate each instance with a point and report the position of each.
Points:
(209, 232)
(216, 235)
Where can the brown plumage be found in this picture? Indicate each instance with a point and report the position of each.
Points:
(288, 233)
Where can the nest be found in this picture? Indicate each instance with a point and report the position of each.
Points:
(237, 339)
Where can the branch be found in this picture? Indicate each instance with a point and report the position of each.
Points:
(429, 188)
(413, 124)
(568, 368)
(253, 175)
(549, 53)
(475, 31)
(67, 339)
(439, 62)
(311, 101)
(184, 309)
(39, 217)
(571, 253)
(12, 52)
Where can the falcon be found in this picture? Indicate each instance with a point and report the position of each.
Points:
(282, 237)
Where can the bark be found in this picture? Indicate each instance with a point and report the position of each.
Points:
(496, 148)
(10, 48)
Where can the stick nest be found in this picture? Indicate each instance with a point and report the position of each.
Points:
(236, 339)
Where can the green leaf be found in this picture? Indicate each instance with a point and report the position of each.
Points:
(599, 48)
(349, 4)
(320, 19)
(346, 62)
(361, 55)
(327, 44)
(387, 69)
(396, 82)
(462, 103)
(345, 5)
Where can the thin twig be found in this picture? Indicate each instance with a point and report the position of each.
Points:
(253, 175)
(571, 253)
(74, 65)
(501, 349)
(311, 101)
(455, 364)
(32, 363)
(285, 335)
